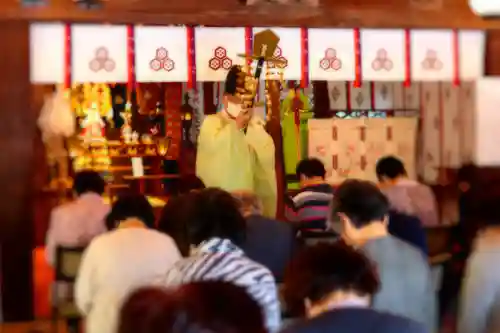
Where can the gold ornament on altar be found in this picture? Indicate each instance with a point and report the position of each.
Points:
(126, 129)
(146, 139)
(162, 145)
(92, 126)
(132, 151)
(264, 46)
(84, 96)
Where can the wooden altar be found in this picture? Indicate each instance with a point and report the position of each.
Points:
(21, 147)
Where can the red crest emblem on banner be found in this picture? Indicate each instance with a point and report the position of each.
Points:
(432, 61)
(162, 61)
(220, 59)
(330, 61)
(382, 61)
(102, 60)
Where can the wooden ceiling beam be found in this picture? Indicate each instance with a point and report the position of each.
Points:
(331, 13)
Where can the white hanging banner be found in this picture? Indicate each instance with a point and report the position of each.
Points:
(320, 141)
(472, 49)
(383, 55)
(432, 55)
(451, 127)
(217, 50)
(289, 50)
(47, 49)
(99, 53)
(467, 106)
(161, 54)
(431, 127)
(331, 54)
(401, 141)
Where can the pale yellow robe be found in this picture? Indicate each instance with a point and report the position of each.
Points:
(234, 161)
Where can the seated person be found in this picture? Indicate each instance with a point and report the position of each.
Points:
(197, 307)
(409, 229)
(480, 299)
(130, 256)
(172, 219)
(333, 284)
(406, 283)
(268, 241)
(74, 224)
(309, 207)
(405, 195)
(216, 231)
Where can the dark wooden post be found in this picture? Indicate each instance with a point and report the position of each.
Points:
(273, 127)
(17, 169)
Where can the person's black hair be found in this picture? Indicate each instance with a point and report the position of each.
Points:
(390, 167)
(310, 167)
(196, 307)
(190, 183)
(212, 213)
(88, 181)
(232, 80)
(324, 268)
(361, 201)
(131, 206)
(173, 219)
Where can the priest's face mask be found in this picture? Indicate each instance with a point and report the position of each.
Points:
(232, 106)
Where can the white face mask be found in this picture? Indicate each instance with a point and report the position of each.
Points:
(233, 109)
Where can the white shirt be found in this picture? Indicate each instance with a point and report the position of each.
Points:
(76, 223)
(115, 264)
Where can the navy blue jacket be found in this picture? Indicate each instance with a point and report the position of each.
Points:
(409, 229)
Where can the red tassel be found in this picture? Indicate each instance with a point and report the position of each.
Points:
(130, 58)
(67, 56)
(407, 82)
(456, 58)
(357, 58)
(191, 58)
(304, 80)
(249, 45)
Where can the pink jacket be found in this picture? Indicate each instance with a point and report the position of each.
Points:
(76, 223)
(413, 198)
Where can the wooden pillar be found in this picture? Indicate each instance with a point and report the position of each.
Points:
(273, 127)
(492, 53)
(17, 136)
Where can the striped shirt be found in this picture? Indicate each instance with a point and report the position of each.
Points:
(310, 206)
(219, 259)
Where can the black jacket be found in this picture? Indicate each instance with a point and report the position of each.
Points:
(270, 243)
(356, 320)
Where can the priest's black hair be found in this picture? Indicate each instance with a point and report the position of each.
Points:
(232, 80)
